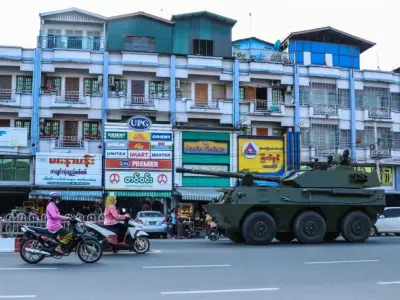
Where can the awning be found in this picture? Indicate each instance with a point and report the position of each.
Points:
(83, 195)
(199, 194)
(137, 194)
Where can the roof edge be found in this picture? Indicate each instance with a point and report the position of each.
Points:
(54, 12)
(205, 12)
(140, 13)
(253, 38)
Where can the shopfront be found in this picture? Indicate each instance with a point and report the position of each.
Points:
(77, 177)
(138, 165)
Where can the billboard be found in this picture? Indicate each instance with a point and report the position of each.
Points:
(138, 164)
(205, 147)
(13, 137)
(138, 180)
(263, 155)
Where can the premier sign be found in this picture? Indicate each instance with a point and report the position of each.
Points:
(138, 164)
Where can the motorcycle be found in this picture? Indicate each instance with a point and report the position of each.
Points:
(215, 232)
(134, 239)
(40, 243)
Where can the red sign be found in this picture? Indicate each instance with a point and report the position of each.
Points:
(138, 164)
(139, 145)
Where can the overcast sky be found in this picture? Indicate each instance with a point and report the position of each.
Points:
(376, 21)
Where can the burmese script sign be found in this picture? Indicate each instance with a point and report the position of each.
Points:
(66, 169)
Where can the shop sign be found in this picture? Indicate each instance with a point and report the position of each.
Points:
(116, 135)
(205, 147)
(67, 169)
(138, 164)
(139, 123)
(138, 180)
(161, 136)
(264, 156)
(116, 153)
(213, 168)
(161, 155)
(161, 146)
(139, 136)
(116, 145)
(139, 154)
(136, 145)
(13, 137)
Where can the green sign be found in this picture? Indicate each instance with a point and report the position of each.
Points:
(116, 135)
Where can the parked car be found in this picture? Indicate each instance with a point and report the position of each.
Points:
(152, 222)
(388, 223)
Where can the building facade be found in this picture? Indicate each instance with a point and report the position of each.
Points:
(65, 105)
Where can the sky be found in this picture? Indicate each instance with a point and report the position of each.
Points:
(376, 21)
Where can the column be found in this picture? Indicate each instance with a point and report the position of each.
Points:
(353, 127)
(236, 109)
(37, 82)
(172, 89)
(296, 98)
(105, 94)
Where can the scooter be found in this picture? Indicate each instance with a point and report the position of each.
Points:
(215, 232)
(135, 239)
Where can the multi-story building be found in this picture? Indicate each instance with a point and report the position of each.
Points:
(89, 73)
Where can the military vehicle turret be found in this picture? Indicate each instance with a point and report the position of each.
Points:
(310, 206)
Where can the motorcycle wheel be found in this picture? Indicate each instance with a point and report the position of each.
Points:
(213, 235)
(141, 245)
(82, 251)
(26, 256)
(188, 232)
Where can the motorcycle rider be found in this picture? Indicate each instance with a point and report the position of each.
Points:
(54, 223)
(112, 218)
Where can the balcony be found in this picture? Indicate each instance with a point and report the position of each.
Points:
(70, 99)
(258, 55)
(121, 100)
(380, 153)
(133, 101)
(15, 98)
(71, 42)
(325, 109)
(70, 143)
(379, 113)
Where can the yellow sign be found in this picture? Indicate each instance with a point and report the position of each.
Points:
(138, 136)
(264, 156)
(205, 147)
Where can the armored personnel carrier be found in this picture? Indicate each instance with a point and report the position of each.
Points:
(310, 206)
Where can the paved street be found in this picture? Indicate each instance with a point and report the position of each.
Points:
(201, 269)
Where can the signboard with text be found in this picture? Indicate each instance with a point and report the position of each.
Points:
(13, 137)
(138, 180)
(138, 164)
(205, 147)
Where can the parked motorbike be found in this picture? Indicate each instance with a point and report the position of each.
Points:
(38, 243)
(215, 232)
(135, 239)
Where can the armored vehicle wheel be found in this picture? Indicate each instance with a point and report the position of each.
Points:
(356, 227)
(309, 228)
(235, 237)
(331, 236)
(284, 237)
(259, 228)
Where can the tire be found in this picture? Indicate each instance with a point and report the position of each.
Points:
(373, 231)
(144, 242)
(355, 227)
(22, 252)
(397, 234)
(213, 235)
(309, 228)
(82, 247)
(331, 236)
(235, 237)
(259, 228)
(284, 237)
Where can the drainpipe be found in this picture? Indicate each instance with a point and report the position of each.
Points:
(353, 128)
(104, 110)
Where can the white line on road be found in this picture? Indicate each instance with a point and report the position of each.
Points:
(220, 291)
(388, 282)
(177, 267)
(26, 269)
(340, 262)
(18, 297)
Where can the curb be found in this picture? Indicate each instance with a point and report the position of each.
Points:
(9, 245)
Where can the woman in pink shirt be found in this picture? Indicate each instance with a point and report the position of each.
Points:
(112, 218)
(54, 223)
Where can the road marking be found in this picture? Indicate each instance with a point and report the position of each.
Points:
(340, 262)
(194, 266)
(220, 291)
(26, 269)
(388, 282)
(18, 297)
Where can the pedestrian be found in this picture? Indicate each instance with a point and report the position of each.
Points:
(174, 223)
(208, 224)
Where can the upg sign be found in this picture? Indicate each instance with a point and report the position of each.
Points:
(139, 123)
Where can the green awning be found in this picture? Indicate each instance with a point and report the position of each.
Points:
(82, 195)
(137, 194)
(199, 194)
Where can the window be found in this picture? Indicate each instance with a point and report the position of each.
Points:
(241, 93)
(156, 88)
(140, 44)
(51, 128)
(24, 84)
(119, 85)
(75, 39)
(278, 96)
(150, 214)
(52, 84)
(276, 132)
(4, 122)
(14, 169)
(203, 47)
(24, 124)
(94, 40)
(304, 95)
(91, 130)
(92, 86)
(218, 92)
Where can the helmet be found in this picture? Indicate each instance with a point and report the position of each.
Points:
(54, 196)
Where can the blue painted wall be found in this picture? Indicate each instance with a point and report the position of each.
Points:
(343, 56)
(255, 45)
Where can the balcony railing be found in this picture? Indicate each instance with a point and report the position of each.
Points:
(71, 42)
(379, 112)
(139, 100)
(325, 109)
(207, 104)
(381, 153)
(259, 55)
(70, 97)
(7, 95)
(69, 142)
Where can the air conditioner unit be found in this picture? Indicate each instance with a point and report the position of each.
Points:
(289, 89)
(275, 83)
(100, 78)
(177, 84)
(111, 80)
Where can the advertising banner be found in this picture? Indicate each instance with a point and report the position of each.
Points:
(13, 137)
(116, 135)
(139, 154)
(136, 145)
(161, 136)
(117, 145)
(161, 146)
(138, 180)
(205, 147)
(67, 169)
(138, 136)
(138, 164)
(261, 155)
(161, 154)
(116, 153)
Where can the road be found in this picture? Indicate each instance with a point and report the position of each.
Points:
(201, 269)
